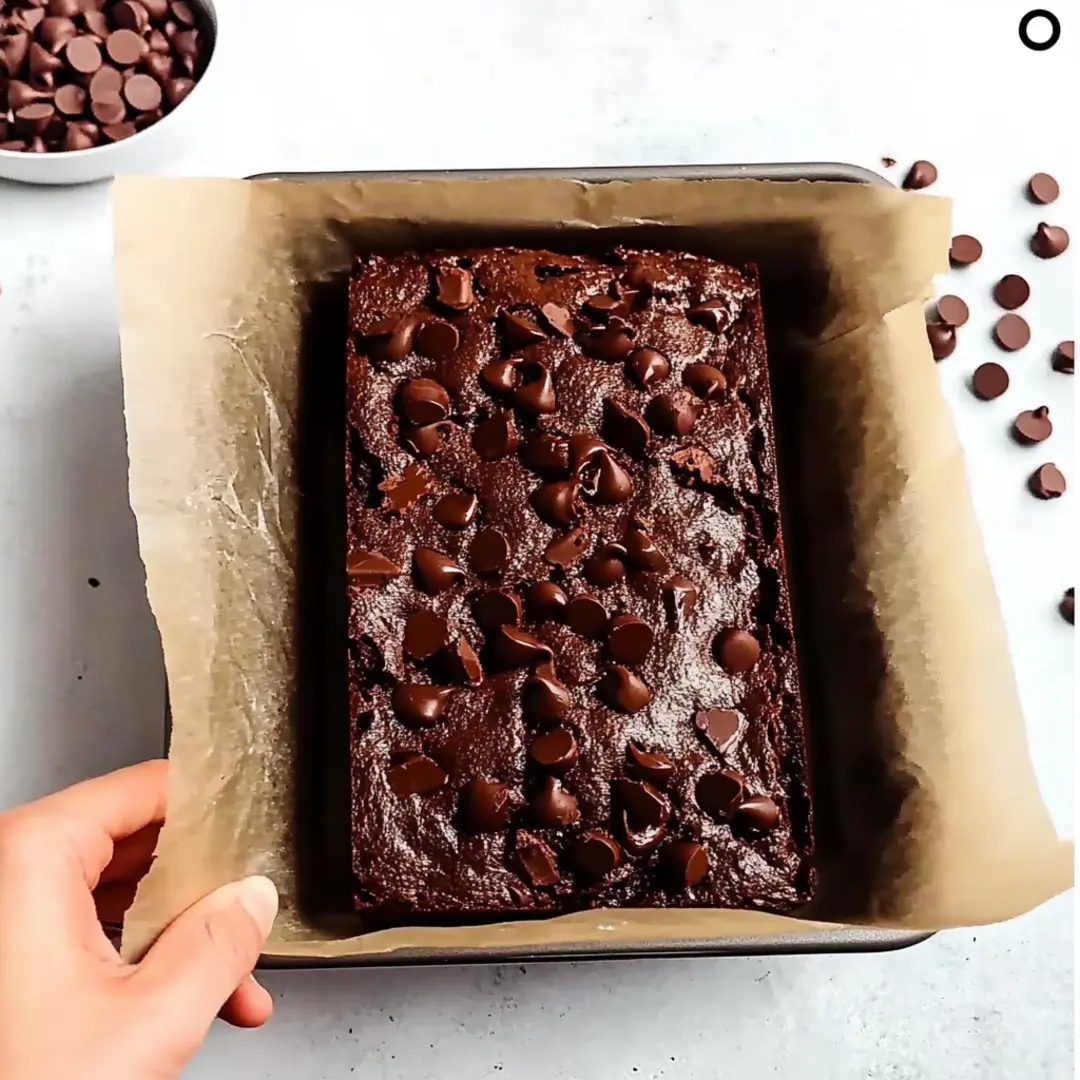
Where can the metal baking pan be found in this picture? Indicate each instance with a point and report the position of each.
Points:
(847, 940)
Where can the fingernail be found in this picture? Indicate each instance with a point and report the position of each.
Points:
(259, 898)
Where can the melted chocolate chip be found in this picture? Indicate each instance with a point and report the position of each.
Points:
(420, 706)
(641, 553)
(516, 648)
(497, 607)
(456, 511)
(489, 553)
(437, 340)
(548, 455)
(519, 331)
(625, 428)
(370, 569)
(757, 814)
(536, 859)
(605, 481)
(544, 699)
(712, 314)
(486, 805)
(545, 601)
(672, 414)
(684, 863)
(719, 727)
(647, 366)
(423, 441)
(495, 437)
(462, 664)
(555, 501)
(629, 639)
(415, 774)
(502, 376)
(556, 749)
(621, 689)
(558, 320)
(454, 288)
(585, 615)
(400, 492)
(612, 343)
(595, 854)
(719, 793)
(736, 650)
(553, 806)
(565, 550)
(606, 566)
(425, 634)
(646, 808)
(536, 394)
(705, 381)
(436, 572)
(654, 766)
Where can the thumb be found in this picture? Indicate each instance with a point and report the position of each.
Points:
(204, 955)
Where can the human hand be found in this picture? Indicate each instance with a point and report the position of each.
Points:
(69, 1006)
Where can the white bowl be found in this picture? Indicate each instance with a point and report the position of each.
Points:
(137, 154)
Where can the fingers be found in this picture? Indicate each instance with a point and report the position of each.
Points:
(199, 962)
(132, 856)
(250, 1005)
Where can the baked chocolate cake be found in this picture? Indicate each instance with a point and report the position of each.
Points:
(572, 673)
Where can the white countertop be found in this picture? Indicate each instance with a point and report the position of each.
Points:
(573, 83)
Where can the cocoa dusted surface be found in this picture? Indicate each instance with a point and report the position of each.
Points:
(630, 797)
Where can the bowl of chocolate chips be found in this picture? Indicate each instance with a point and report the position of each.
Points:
(89, 87)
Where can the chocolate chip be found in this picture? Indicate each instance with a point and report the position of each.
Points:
(647, 366)
(965, 250)
(107, 82)
(605, 481)
(629, 639)
(605, 567)
(415, 774)
(556, 749)
(989, 381)
(584, 449)
(952, 311)
(502, 376)
(425, 634)
(646, 808)
(1068, 606)
(1033, 425)
(536, 859)
(124, 47)
(418, 705)
(599, 307)
(712, 314)
(654, 766)
(424, 401)
(71, 100)
(757, 814)
(182, 12)
(545, 700)
(558, 319)
(142, 92)
(1049, 241)
(536, 394)
(718, 727)
(625, 429)
(424, 441)
(553, 806)
(457, 510)
(942, 338)
(454, 288)
(548, 455)
(129, 15)
(55, 31)
(486, 805)
(595, 854)
(672, 414)
(612, 343)
(370, 569)
(495, 437)
(736, 650)
(177, 89)
(555, 502)
(565, 550)
(719, 793)
(401, 492)
(921, 175)
(1047, 482)
(116, 132)
(680, 596)
(1064, 357)
(623, 690)
(585, 615)
(694, 468)
(400, 335)
(489, 552)
(1012, 332)
(436, 572)
(516, 648)
(1011, 292)
(684, 863)
(519, 331)
(705, 381)
(497, 607)
(545, 601)
(462, 664)
(437, 339)
(1043, 188)
(641, 553)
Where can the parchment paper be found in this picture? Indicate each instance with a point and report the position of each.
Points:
(928, 814)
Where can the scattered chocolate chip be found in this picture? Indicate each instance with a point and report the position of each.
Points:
(1064, 357)
(585, 448)
(595, 854)
(718, 727)
(495, 437)
(544, 600)
(705, 381)
(553, 806)
(605, 481)
(558, 320)
(942, 338)
(489, 553)
(556, 749)
(518, 331)
(486, 805)
(965, 250)
(719, 793)
(516, 648)
(672, 414)
(436, 572)
(423, 441)
(888, 162)
(623, 690)
(989, 381)
(142, 92)
(654, 766)
(565, 550)
(437, 339)
(425, 634)
(124, 47)
(606, 566)
(70, 100)
(599, 307)
(415, 774)
(712, 314)
(640, 551)
(370, 569)
(395, 337)
(1012, 332)
(424, 401)
(684, 863)
(536, 859)
(625, 429)
(462, 664)
(545, 700)
(646, 808)
(55, 31)
(1043, 188)
(1047, 482)
(107, 82)
(921, 175)
(1033, 425)
(1011, 292)
(693, 467)
(952, 311)
(419, 705)
(454, 288)
(647, 366)
(1049, 241)
(758, 814)
(555, 501)
(457, 510)
(629, 639)
(736, 650)
(612, 343)
(1068, 606)
(585, 615)
(548, 455)
(680, 596)
(401, 492)
(536, 394)
(497, 607)
(502, 376)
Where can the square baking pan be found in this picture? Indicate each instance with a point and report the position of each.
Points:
(848, 939)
